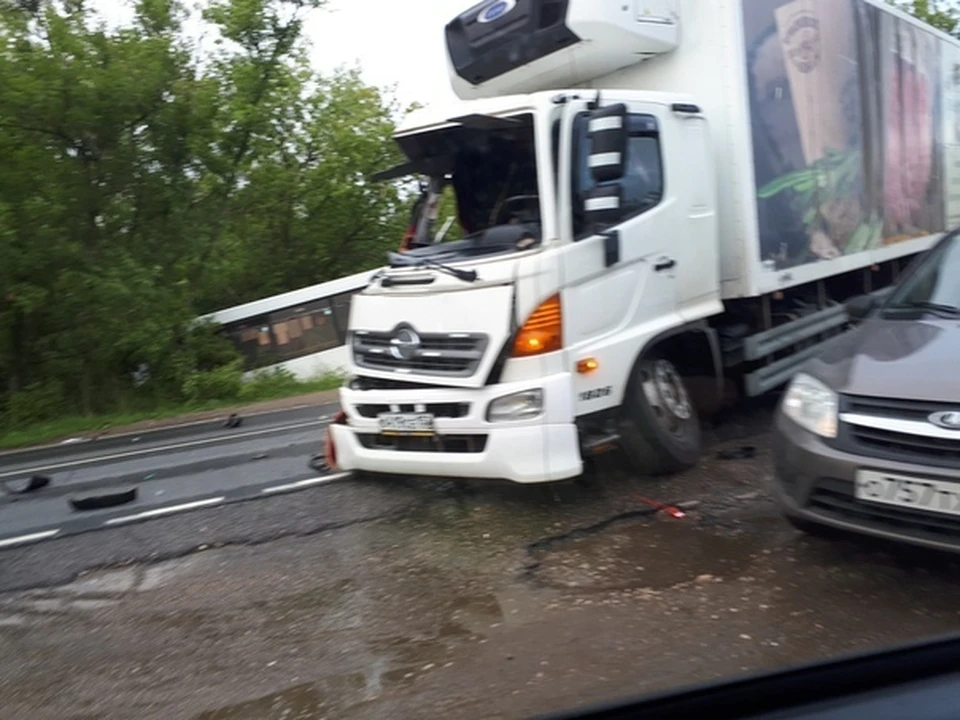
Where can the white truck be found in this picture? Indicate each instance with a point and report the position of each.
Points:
(656, 198)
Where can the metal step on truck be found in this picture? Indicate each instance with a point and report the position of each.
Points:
(656, 200)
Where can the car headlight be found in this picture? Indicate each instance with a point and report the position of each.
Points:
(812, 405)
(519, 406)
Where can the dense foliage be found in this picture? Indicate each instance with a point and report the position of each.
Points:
(143, 182)
(942, 14)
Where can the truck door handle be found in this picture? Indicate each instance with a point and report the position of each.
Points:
(665, 265)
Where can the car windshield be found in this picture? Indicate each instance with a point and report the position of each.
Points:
(934, 287)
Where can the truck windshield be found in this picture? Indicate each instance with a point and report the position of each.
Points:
(491, 198)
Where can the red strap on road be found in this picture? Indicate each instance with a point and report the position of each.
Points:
(668, 509)
(329, 451)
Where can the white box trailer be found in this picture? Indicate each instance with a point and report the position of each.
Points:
(651, 192)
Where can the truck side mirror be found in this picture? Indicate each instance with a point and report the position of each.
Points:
(607, 130)
(602, 207)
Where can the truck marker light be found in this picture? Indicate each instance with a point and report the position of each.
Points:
(587, 365)
(543, 330)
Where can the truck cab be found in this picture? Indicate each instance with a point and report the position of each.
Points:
(562, 321)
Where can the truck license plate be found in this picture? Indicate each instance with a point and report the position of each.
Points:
(930, 495)
(406, 424)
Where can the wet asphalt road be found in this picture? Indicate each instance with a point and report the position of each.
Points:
(172, 469)
(421, 598)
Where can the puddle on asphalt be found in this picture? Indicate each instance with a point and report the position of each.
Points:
(102, 582)
(308, 701)
(403, 662)
(655, 555)
(387, 663)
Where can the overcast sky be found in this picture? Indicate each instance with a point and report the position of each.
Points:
(393, 42)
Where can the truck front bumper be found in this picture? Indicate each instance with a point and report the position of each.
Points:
(466, 445)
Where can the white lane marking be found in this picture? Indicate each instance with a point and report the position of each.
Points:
(163, 448)
(148, 431)
(159, 512)
(309, 482)
(21, 539)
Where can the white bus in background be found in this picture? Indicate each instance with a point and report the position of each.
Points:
(302, 331)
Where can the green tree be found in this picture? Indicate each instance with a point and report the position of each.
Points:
(941, 14)
(143, 185)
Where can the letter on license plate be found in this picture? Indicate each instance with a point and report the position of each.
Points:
(936, 496)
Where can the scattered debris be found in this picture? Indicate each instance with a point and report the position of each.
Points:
(261, 456)
(673, 512)
(233, 422)
(746, 452)
(318, 463)
(103, 498)
(27, 485)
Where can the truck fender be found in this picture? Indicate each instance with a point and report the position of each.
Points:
(695, 350)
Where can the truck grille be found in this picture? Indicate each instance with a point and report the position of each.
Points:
(440, 410)
(891, 444)
(460, 444)
(405, 351)
(834, 498)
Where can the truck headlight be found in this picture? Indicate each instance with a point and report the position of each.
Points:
(518, 406)
(811, 405)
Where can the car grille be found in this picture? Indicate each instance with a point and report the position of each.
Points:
(451, 355)
(892, 445)
(835, 498)
(440, 410)
(463, 444)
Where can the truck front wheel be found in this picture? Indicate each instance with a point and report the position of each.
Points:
(659, 429)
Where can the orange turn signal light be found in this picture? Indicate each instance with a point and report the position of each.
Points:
(542, 332)
(587, 365)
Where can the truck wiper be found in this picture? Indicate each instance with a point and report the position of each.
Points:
(932, 307)
(465, 275)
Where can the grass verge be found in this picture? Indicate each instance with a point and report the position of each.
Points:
(259, 389)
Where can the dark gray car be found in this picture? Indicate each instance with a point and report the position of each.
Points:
(867, 436)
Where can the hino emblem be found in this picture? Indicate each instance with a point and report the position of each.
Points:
(949, 420)
(496, 10)
(404, 344)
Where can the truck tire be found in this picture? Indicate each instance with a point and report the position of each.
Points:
(660, 428)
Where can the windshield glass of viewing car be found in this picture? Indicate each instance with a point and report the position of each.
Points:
(935, 287)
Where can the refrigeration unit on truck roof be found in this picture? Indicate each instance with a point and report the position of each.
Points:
(518, 46)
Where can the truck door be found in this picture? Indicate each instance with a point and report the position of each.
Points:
(620, 280)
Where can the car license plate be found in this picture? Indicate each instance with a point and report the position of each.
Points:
(888, 489)
(406, 424)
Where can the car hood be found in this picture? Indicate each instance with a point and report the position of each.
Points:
(901, 359)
